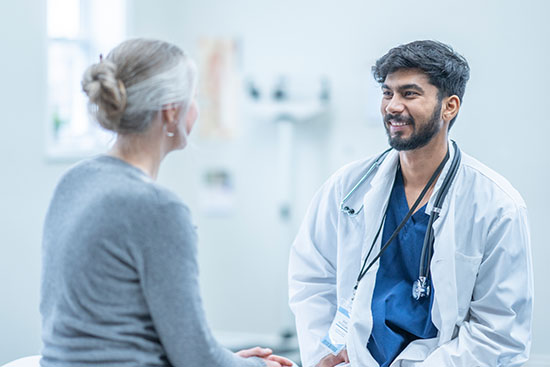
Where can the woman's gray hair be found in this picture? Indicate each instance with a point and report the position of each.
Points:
(135, 81)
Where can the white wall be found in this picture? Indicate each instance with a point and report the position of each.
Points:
(503, 123)
(26, 180)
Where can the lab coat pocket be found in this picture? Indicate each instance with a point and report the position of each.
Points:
(467, 268)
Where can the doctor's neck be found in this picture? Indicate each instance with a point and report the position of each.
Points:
(418, 165)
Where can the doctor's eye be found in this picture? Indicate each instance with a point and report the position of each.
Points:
(410, 93)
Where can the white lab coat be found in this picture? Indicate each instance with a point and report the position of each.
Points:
(481, 268)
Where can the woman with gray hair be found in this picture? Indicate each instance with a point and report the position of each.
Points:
(120, 278)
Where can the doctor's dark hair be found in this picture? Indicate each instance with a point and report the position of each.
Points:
(447, 70)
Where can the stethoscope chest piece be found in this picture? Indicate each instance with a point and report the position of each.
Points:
(420, 288)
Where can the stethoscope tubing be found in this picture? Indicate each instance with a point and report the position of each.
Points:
(427, 246)
(350, 211)
(429, 239)
(365, 268)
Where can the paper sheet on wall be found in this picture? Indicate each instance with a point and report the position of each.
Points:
(219, 88)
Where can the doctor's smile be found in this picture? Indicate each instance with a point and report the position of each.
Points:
(397, 122)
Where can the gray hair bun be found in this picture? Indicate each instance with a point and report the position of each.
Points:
(106, 93)
(136, 80)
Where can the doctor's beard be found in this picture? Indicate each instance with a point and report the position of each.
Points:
(418, 138)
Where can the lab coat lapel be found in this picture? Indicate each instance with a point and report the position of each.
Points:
(445, 307)
(374, 205)
(444, 310)
(442, 266)
(376, 200)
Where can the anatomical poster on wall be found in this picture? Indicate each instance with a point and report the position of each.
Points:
(219, 87)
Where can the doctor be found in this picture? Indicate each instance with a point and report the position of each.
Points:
(419, 256)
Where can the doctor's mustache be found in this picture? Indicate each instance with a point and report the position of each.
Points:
(399, 118)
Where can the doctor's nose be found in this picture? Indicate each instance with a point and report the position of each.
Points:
(393, 105)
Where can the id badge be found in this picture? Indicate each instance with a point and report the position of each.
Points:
(335, 339)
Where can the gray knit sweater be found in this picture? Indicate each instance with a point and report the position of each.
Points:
(119, 275)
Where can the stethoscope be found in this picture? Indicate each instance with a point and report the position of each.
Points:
(421, 287)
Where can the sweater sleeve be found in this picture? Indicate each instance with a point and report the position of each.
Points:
(169, 278)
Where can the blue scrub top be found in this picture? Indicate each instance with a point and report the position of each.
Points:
(399, 319)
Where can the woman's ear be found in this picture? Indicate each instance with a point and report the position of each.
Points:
(169, 116)
(169, 113)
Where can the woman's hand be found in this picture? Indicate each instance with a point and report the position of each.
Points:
(267, 355)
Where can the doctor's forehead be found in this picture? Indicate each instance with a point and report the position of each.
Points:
(407, 77)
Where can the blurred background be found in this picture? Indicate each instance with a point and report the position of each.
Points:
(287, 98)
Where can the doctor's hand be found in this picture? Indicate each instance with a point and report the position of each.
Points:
(267, 355)
(331, 360)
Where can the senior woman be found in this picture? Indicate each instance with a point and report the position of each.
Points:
(119, 279)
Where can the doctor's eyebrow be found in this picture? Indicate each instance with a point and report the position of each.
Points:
(401, 88)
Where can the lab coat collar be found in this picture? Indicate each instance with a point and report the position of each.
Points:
(386, 171)
(386, 174)
(376, 199)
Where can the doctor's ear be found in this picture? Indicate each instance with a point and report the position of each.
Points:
(450, 107)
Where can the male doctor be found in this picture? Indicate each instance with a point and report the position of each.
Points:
(427, 262)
